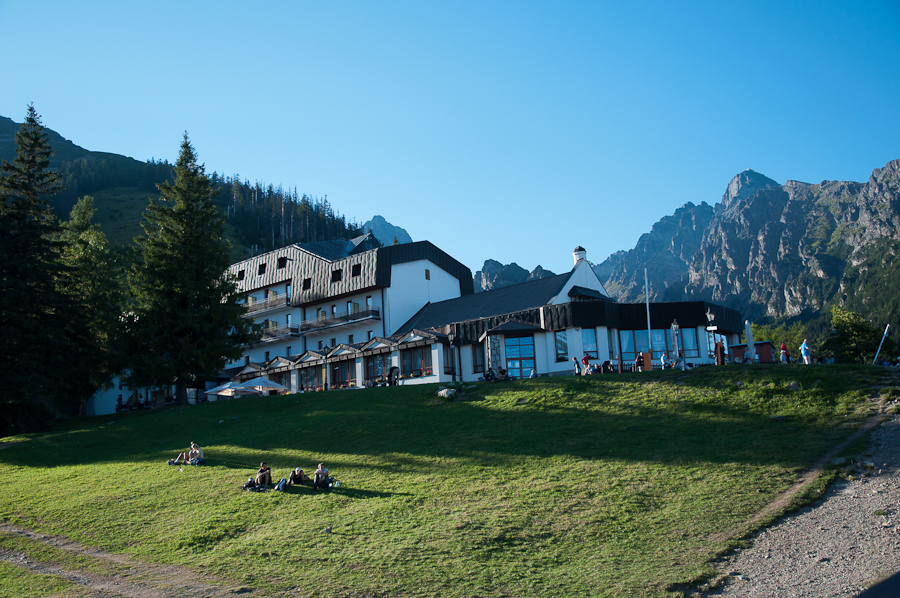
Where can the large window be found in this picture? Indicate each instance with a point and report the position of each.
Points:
(478, 359)
(589, 342)
(562, 346)
(449, 360)
(519, 356)
(377, 367)
(415, 362)
(343, 374)
(310, 378)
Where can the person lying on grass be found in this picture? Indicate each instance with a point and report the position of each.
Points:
(264, 475)
(298, 478)
(195, 453)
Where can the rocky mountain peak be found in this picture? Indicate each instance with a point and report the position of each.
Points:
(746, 184)
(385, 232)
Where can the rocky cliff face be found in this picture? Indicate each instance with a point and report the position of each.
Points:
(666, 251)
(494, 275)
(773, 250)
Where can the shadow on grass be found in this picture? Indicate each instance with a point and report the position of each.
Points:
(658, 418)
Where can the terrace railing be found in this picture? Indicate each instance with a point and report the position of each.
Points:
(339, 319)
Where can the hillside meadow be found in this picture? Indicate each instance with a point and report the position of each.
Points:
(616, 485)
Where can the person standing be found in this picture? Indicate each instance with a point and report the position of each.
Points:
(784, 352)
(639, 362)
(577, 366)
(585, 370)
(806, 352)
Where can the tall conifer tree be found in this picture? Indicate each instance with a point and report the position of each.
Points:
(31, 311)
(94, 282)
(186, 322)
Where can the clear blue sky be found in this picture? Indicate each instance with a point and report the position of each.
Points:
(512, 130)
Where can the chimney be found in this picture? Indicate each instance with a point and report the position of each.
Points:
(579, 254)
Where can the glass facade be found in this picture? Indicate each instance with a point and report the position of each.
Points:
(519, 356)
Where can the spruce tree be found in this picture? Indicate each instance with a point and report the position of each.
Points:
(32, 313)
(94, 282)
(185, 322)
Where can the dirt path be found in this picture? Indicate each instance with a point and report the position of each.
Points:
(129, 577)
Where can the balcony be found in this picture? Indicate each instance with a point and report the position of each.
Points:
(273, 333)
(266, 304)
(340, 319)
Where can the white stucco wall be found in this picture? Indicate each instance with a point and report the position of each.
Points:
(410, 291)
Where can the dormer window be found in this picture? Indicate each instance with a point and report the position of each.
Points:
(336, 275)
(307, 284)
(240, 275)
(261, 270)
(356, 270)
(282, 262)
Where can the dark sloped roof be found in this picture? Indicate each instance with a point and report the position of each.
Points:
(518, 297)
(339, 248)
(512, 326)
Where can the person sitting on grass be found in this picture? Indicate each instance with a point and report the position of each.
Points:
(264, 475)
(298, 478)
(195, 453)
(320, 478)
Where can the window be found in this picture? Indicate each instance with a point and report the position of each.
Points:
(370, 334)
(449, 361)
(261, 270)
(369, 302)
(562, 346)
(271, 294)
(240, 275)
(282, 262)
(415, 362)
(287, 290)
(519, 356)
(427, 274)
(334, 310)
(246, 360)
(288, 350)
(377, 367)
(589, 342)
(343, 374)
(333, 342)
(309, 378)
(320, 346)
(321, 314)
(267, 356)
(356, 270)
(349, 339)
(307, 284)
(336, 275)
(477, 359)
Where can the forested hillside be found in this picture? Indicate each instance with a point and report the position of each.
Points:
(259, 216)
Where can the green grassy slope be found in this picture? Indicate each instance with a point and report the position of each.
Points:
(602, 486)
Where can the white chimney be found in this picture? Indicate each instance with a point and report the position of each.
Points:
(579, 254)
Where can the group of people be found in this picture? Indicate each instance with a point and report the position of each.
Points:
(805, 353)
(321, 479)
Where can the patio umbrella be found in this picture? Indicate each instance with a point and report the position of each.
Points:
(751, 348)
(260, 384)
(229, 389)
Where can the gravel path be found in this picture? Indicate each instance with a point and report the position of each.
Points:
(836, 547)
